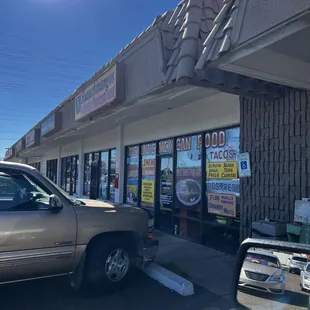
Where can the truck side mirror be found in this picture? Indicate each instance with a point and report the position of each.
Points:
(55, 203)
(259, 275)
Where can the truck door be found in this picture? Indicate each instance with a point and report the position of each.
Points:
(34, 242)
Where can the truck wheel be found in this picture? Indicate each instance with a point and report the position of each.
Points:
(110, 264)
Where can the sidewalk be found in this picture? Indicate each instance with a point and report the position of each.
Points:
(204, 266)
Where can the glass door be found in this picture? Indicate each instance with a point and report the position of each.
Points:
(164, 220)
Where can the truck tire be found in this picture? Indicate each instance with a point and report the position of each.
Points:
(110, 264)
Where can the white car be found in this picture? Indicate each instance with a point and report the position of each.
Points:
(305, 278)
(262, 271)
(297, 263)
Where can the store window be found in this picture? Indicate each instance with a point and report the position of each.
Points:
(222, 188)
(132, 173)
(148, 163)
(69, 174)
(112, 174)
(36, 165)
(188, 185)
(106, 161)
(87, 166)
(51, 170)
(103, 175)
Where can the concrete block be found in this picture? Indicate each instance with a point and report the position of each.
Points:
(170, 279)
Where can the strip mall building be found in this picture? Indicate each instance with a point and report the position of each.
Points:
(161, 124)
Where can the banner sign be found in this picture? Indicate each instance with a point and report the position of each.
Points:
(222, 170)
(222, 204)
(147, 191)
(99, 93)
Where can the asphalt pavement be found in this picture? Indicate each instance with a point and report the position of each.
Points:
(293, 298)
(144, 293)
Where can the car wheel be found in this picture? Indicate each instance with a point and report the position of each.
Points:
(110, 264)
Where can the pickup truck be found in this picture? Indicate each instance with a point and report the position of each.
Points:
(44, 232)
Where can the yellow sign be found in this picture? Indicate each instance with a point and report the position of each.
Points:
(222, 204)
(147, 191)
(222, 170)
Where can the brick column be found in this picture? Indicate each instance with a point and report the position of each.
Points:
(277, 136)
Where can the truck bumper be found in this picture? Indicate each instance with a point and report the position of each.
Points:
(149, 251)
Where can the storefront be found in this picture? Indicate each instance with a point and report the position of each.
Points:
(51, 169)
(191, 185)
(99, 174)
(69, 174)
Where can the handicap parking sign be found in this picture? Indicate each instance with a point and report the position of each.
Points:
(244, 167)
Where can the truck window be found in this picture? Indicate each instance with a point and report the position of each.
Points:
(19, 193)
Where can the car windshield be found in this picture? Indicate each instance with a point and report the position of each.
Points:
(262, 259)
(299, 259)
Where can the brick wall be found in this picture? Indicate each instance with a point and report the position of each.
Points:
(277, 135)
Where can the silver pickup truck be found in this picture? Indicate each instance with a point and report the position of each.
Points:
(44, 232)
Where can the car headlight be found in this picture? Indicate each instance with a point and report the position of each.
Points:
(306, 277)
(277, 278)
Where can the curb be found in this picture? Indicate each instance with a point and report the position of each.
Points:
(170, 279)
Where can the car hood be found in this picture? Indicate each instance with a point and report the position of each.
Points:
(96, 203)
(253, 267)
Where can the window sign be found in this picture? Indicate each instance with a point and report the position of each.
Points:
(132, 163)
(165, 147)
(148, 152)
(188, 173)
(222, 183)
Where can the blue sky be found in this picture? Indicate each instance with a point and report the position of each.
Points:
(49, 47)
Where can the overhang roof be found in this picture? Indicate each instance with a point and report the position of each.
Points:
(224, 34)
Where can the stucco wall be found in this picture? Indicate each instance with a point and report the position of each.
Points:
(277, 135)
(261, 15)
(217, 111)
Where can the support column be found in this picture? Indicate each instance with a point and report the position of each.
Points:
(59, 166)
(120, 164)
(80, 170)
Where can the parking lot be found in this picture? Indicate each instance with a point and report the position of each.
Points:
(294, 297)
(144, 293)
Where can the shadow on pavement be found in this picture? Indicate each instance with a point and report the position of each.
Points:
(290, 297)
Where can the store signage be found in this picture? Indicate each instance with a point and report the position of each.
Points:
(244, 165)
(147, 191)
(19, 145)
(9, 153)
(103, 91)
(222, 170)
(222, 204)
(31, 138)
(48, 125)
